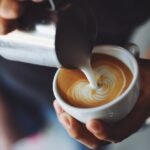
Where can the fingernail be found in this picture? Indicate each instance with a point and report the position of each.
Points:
(65, 121)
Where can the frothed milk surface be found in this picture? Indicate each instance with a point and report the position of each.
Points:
(112, 76)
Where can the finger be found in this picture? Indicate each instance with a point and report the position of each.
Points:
(7, 25)
(11, 9)
(132, 122)
(100, 130)
(121, 130)
(75, 129)
(78, 131)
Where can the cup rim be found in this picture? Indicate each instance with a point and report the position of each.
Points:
(113, 102)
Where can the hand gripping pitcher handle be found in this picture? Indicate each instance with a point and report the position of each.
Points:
(34, 48)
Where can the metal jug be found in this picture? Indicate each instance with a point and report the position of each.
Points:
(67, 43)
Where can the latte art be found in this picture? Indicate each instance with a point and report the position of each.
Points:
(108, 81)
(110, 76)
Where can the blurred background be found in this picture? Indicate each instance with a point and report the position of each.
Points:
(53, 136)
(36, 126)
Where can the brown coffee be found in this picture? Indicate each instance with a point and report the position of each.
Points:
(112, 76)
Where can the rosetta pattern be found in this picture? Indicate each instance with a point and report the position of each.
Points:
(110, 79)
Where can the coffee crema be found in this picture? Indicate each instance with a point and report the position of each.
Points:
(112, 76)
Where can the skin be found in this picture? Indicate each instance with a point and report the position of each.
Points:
(96, 132)
(10, 11)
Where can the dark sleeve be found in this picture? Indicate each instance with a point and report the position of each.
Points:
(117, 19)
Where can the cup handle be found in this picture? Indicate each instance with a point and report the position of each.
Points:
(133, 49)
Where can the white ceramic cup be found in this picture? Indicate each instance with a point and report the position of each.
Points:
(120, 106)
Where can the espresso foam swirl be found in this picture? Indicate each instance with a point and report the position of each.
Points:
(112, 76)
(111, 81)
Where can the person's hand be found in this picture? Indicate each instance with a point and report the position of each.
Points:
(10, 11)
(96, 132)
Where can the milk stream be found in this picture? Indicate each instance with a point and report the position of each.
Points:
(87, 70)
